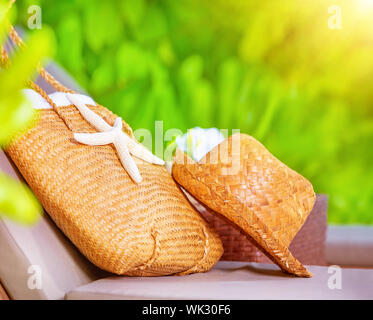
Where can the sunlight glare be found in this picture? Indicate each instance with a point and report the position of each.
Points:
(366, 4)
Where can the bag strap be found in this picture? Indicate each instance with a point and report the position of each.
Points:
(17, 40)
(5, 61)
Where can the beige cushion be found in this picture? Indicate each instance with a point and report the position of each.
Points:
(44, 246)
(232, 280)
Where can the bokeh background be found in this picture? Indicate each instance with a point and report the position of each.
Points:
(273, 69)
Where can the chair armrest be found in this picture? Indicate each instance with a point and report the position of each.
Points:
(350, 246)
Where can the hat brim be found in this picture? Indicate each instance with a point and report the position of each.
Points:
(237, 213)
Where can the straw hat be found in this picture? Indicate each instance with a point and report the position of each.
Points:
(242, 181)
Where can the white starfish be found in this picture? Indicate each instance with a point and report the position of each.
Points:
(115, 135)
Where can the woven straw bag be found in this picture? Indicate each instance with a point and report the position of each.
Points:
(145, 229)
(264, 199)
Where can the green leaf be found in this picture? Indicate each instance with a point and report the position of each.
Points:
(191, 70)
(103, 77)
(15, 114)
(153, 26)
(201, 107)
(15, 111)
(17, 202)
(131, 62)
(102, 25)
(133, 11)
(70, 42)
(229, 78)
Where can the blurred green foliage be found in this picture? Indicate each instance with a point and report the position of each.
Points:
(16, 200)
(271, 68)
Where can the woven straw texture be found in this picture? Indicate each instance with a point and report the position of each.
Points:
(148, 229)
(264, 199)
(308, 246)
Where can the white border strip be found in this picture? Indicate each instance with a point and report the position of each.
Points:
(59, 98)
(37, 101)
